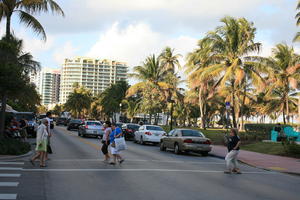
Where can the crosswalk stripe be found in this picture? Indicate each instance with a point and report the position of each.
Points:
(10, 168)
(11, 163)
(9, 184)
(8, 196)
(10, 175)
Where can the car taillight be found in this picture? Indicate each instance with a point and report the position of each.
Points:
(188, 141)
(148, 133)
(86, 126)
(207, 142)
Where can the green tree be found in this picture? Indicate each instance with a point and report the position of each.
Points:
(15, 66)
(25, 10)
(231, 43)
(79, 100)
(111, 98)
(283, 70)
(169, 61)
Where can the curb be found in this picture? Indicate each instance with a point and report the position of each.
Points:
(17, 157)
(285, 172)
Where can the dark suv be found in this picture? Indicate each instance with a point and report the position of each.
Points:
(129, 129)
(74, 124)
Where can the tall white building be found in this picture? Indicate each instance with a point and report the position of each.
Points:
(47, 83)
(94, 74)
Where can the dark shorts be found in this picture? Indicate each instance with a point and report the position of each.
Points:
(104, 147)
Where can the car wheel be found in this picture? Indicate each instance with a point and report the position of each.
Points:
(79, 133)
(204, 153)
(162, 147)
(177, 149)
(141, 140)
(68, 128)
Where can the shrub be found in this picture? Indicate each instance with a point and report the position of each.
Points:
(261, 131)
(291, 148)
(13, 147)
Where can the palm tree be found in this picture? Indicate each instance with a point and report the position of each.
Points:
(25, 9)
(168, 60)
(79, 100)
(197, 60)
(15, 66)
(297, 37)
(231, 43)
(132, 107)
(284, 76)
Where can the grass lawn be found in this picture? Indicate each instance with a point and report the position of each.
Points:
(291, 150)
(265, 147)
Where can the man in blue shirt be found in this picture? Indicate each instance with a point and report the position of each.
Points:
(116, 133)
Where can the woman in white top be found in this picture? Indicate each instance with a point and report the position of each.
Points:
(105, 140)
(41, 143)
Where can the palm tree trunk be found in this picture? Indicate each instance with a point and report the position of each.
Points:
(2, 116)
(201, 109)
(287, 110)
(8, 22)
(233, 106)
(283, 114)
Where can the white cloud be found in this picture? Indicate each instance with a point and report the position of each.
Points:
(66, 51)
(135, 42)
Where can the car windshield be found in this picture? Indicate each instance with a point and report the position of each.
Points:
(154, 128)
(93, 123)
(192, 133)
(134, 127)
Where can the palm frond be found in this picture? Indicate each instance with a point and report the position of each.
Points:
(32, 22)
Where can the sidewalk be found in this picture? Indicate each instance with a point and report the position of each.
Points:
(264, 161)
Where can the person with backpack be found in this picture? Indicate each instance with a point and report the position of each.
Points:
(233, 146)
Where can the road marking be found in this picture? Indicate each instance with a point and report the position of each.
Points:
(11, 163)
(139, 160)
(10, 175)
(10, 168)
(278, 168)
(8, 196)
(135, 170)
(9, 184)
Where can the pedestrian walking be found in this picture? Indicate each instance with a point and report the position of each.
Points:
(116, 133)
(233, 146)
(105, 140)
(23, 129)
(41, 143)
(50, 126)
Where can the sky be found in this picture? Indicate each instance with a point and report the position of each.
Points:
(131, 30)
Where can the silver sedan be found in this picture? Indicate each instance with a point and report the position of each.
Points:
(91, 128)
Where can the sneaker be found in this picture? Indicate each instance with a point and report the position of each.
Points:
(236, 171)
(31, 161)
(112, 163)
(227, 172)
(122, 161)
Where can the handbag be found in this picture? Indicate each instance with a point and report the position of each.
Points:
(120, 144)
(113, 144)
(49, 149)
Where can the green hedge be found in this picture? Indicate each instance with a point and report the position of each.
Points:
(262, 130)
(13, 147)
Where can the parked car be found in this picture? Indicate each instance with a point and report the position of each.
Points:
(119, 124)
(148, 133)
(74, 124)
(91, 128)
(129, 130)
(62, 121)
(187, 140)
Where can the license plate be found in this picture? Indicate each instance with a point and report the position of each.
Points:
(157, 134)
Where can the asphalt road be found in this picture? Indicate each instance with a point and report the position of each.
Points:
(76, 172)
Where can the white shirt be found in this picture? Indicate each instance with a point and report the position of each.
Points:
(42, 133)
(106, 133)
(48, 127)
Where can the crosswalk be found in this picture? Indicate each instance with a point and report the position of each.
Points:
(10, 172)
